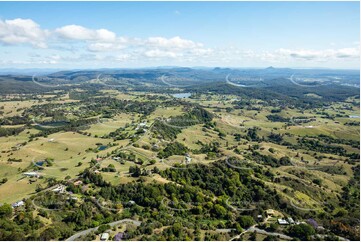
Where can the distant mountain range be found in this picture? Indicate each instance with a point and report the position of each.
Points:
(44, 71)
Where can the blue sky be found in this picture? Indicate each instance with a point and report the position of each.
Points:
(141, 34)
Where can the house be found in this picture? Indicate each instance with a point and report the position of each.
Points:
(188, 159)
(59, 189)
(31, 174)
(282, 221)
(74, 198)
(104, 236)
(18, 204)
(320, 228)
(291, 221)
(143, 124)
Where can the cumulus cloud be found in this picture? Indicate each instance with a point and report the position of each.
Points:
(77, 32)
(103, 45)
(22, 31)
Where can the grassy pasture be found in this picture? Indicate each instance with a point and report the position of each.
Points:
(67, 149)
(105, 126)
(166, 112)
(191, 135)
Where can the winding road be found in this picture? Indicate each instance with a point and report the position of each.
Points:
(261, 231)
(112, 224)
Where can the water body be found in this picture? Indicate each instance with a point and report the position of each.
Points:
(354, 116)
(102, 147)
(182, 95)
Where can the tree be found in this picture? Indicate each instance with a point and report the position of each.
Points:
(271, 238)
(49, 234)
(155, 170)
(6, 210)
(177, 229)
(246, 221)
(102, 228)
(317, 181)
(135, 171)
(273, 227)
(220, 211)
(239, 228)
(302, 231)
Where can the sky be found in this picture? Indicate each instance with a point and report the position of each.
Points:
(73, 35)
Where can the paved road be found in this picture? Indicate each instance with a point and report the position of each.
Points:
(112, 224)
(339, 237)
(224, 230)
(261, 231)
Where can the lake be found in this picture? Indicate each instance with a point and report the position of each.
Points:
(102, 147)
(182, 95)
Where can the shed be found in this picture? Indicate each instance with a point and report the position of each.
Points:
(291, 221)
(104, 236)
(282, 221)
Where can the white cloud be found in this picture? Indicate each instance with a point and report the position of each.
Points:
(77, 32)
(348, 53)
(104, 46)
(22, 31)
(175, 42)
(161, 54)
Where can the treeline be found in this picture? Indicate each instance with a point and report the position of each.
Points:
(282, 90)
(163, 130)
(11, 131)
(329, 140)
(73, 125)
(15, 120)
(277, 118)
(175, 148)
(316, 145)
(268, 160)
(169, 129)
